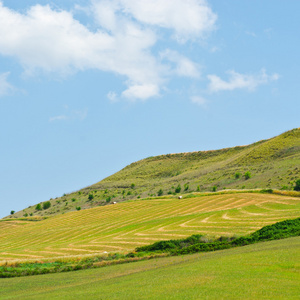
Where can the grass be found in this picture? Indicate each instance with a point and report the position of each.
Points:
(192, 244)
(272, 163)
(267, 270)
(125, 226)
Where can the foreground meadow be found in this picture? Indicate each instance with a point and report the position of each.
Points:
(267, 270)
(125, 226)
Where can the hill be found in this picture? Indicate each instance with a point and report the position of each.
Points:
(267, 270)
(272, 163)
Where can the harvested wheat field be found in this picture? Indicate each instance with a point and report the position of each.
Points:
(124, 226)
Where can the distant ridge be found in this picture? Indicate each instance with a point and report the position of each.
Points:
(272, 163)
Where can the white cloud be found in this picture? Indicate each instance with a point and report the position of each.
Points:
(184, 66)
(199, 100)
(240, 81)
(71, 115)
(187, 18)
(5, 86)
(141, 91)
(49, 40)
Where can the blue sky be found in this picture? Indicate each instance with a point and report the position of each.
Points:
(87, 87)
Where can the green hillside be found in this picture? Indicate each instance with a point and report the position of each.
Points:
(267, 270)
(272, 163)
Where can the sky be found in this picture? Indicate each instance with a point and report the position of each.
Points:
(90, 86)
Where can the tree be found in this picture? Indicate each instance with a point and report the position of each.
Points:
(91, 197)
(178, 189)
(186, 187)
(46, 205)
(214, 188)
(297, 186)
(237, 175)
(12, 212)
(247, 175)
(38, 207)
(160, 192)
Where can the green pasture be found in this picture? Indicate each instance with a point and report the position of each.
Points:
(267, 270)
(125, 226)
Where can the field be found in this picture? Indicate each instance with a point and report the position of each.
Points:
(124, 226)
(267, 270)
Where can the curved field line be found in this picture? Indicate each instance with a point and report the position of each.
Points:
(124, 226)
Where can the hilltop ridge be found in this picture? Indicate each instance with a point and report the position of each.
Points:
(271, 163)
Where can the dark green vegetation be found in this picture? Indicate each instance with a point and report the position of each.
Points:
(195, 243)
(267, 270)
(297, 186)
(272, 163)
(192, 244)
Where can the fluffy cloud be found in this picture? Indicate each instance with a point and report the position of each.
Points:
(141, 91)
(240, 81)
(188, 18)
(49, 40)
(5, 87)
(183, 65)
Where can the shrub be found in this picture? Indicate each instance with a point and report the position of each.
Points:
(78, 208)
(132, 186)
(297, 187)
(284, 187)
(237, 175)
(12, 212)
(198, 188)
(128, 193)
(178, 189)
(46, 205)
(247, 175)
(25, 215)
(38, 207)
(73, 199)
(186, 187)
(91, 197)
(214, 188)
(79, 193)
(108, 199)
(160, 192)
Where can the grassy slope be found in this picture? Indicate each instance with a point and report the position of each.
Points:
(123, 227)
(263, 271)
(273, 163)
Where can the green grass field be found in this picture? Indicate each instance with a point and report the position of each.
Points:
(267, 270)
(125, 226)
